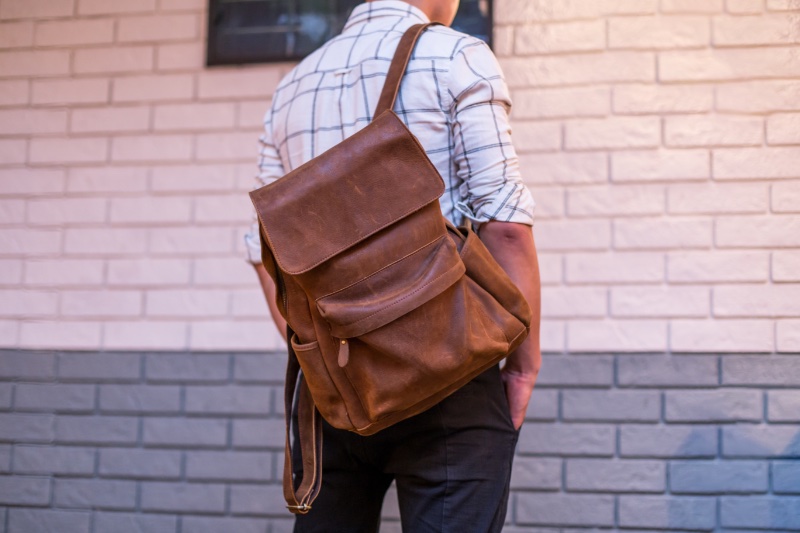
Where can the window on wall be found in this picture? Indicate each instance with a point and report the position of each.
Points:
(260, 31)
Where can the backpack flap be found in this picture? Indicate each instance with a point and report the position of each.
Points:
(370, 180)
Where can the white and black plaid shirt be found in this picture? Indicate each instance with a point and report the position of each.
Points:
(453, 98)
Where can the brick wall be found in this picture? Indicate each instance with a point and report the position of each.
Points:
(661, 139)
(662, 142)
(124, 167)
(192, 443)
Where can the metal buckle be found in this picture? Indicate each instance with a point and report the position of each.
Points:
(302, 508)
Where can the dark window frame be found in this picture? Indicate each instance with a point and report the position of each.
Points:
(239, 43)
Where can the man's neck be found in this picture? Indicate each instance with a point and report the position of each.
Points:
(426, 6)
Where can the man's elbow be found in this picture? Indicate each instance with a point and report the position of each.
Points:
(505, 233)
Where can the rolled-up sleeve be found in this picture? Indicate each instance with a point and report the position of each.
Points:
(270, 168)
(487, 165)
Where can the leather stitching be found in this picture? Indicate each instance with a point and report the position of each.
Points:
(382, 268)
(404, 297)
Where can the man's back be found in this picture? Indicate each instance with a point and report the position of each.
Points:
(452, 97)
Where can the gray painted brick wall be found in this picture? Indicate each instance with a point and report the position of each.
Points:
(192, 443)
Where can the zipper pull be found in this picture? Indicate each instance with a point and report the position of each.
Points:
(344, 353)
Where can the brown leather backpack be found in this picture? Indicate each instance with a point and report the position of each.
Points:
(390, 307)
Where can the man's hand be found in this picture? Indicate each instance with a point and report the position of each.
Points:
(519, 387)
(513, 248)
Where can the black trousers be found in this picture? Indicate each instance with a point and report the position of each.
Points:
(451, 464)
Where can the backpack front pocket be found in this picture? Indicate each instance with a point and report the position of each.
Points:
(392, 291)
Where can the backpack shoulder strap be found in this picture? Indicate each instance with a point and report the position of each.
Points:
(398, 67)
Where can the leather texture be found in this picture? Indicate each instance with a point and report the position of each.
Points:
(390, 308)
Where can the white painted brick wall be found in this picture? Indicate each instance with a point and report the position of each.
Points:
(661, 140)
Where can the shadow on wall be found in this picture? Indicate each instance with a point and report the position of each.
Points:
(741, 469)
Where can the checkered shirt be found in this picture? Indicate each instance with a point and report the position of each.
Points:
(452, 97)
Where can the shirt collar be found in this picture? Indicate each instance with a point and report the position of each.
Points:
(369, 11)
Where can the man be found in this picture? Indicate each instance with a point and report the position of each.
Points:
(452, 463)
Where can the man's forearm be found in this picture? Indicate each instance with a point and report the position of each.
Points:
(512, 245)
(268, 286)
